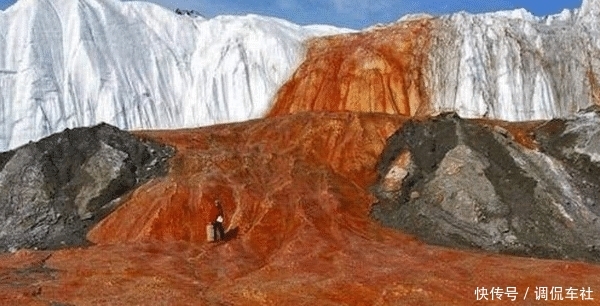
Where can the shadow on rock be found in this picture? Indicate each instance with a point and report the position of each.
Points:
(55, 189)
(458, 183)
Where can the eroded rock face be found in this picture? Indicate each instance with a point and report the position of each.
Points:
(55, 189)
(478, 188)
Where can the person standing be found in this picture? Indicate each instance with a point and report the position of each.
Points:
(217, 218)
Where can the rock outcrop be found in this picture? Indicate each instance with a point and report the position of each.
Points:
(54, 190)
(459, 183)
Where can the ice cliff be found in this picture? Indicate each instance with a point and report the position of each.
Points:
(67, 63)
(506, 65)
(515, 66)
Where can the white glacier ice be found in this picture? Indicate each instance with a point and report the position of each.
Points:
(136, 65)
(68, 63)
(514, 66)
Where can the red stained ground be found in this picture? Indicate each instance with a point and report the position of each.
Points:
(296, 199)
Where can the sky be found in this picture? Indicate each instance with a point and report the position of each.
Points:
(355, 14)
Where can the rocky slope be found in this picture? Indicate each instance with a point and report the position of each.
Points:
(137, 65)
(261, 174)
(459, 183)
(54, 190)
(505, 65)
(311, 170)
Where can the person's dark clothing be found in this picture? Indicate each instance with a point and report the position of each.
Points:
(218, 231)
(216, 219)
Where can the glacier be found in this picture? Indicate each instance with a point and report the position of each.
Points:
(514, 66)
(137, 65)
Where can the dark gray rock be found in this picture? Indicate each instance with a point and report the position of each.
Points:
(54, 190)
(478, 189)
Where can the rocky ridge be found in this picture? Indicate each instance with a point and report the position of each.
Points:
(459, 183)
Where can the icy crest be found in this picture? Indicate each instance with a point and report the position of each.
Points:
(66, 63)
(521, 13)
(590, 8)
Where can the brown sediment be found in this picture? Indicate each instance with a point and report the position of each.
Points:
(381, 70)
(522, 132)
(594, 86)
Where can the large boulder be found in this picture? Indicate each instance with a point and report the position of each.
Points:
(53, 190)
(478, 188)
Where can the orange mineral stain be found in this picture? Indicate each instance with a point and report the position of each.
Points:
(295, 192)
(380, 70)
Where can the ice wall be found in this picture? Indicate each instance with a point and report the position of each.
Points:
(66, 63)
(514, 66)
